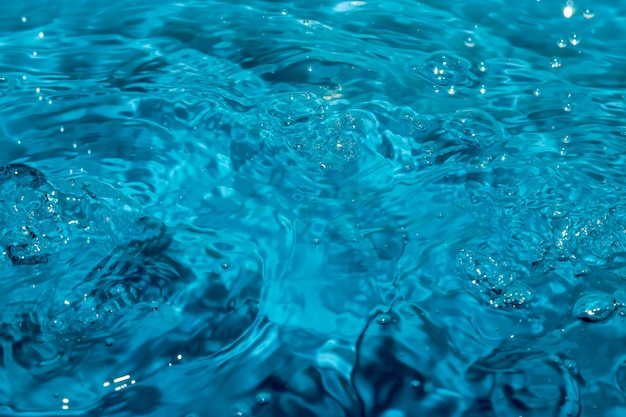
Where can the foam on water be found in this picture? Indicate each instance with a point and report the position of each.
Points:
(343, 209)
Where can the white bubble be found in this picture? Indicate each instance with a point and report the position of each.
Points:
(568, 11)
(561, 43)
(41, 35)
(23, 19)
(574, 39)
(568, 107)
(469, 42)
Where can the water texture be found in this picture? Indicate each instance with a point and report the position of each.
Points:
(381, 209)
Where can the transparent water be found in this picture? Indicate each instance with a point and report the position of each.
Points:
(294, 209)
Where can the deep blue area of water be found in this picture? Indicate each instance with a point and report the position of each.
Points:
(359, 208)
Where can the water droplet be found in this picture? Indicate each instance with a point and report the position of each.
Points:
(568, 10)
(224, 265)
(383, 319)
(568, 107)
(588, 13)
(108, 341)
(574, 39)
(239, 410)
(263, 398)
(469, 42)
(555, 62)
(595, 307)
(561, 43)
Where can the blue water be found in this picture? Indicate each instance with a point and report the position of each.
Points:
(356, 208)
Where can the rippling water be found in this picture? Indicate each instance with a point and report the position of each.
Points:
(348, 209)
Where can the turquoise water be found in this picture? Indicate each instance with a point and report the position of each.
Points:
(355, 208)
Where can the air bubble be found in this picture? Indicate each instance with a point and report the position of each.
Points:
(384, 319)
(588, 13)
(482, 67)
(108, 341)
(239, 410)
(566, 139)
(283, 12)
(473, 126)
(415, 384)
(574, 39)
(594, 308)
(224, 265)
(518, 296)
(316, 240)
(561, 43)
(555, 62)
(469, 42)
(263, 398)
(568, 107)
(446, 69)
